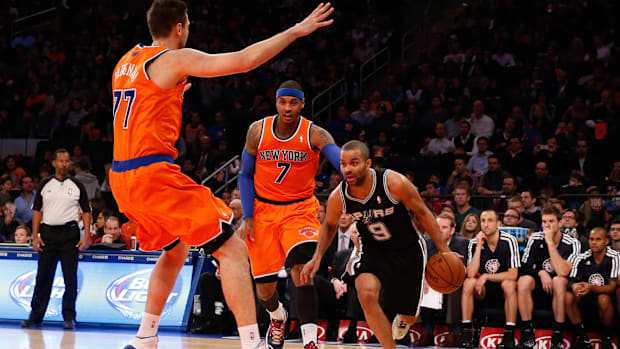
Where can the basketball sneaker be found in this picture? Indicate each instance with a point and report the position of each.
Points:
(399, 328)
(556, 340)
(528, 339)
(143, 343)
(508, 342)
(581, 341)
(467, 338)
(275, 333)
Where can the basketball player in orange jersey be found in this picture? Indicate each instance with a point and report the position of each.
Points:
(172, 211)
(393, 255)
(278, 165)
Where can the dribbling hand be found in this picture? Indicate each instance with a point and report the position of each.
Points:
(315, 20)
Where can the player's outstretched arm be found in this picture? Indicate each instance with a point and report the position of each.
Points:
(326, 236)
(403, 190)
(196, 63)
(246, 180)
(321, 140)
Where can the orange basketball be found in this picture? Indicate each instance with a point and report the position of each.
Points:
(445, 272)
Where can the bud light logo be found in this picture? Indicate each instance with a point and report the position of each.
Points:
(21, 291)
(127, 294)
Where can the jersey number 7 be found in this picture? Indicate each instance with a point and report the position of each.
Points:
(128, 95)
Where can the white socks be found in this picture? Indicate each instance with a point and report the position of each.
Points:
(309, 333)
(278, 314)
(250, 337)
(149, 325)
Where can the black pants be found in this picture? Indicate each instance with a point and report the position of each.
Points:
(60, 244)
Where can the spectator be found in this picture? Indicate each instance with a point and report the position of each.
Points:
(89, 180)
(235, 194)
(470, 226)
(112, 234)
(235, 206)
(546, 263)
(501, 139)
(493, 180)
(614, 232)
(511, 218)
(585, 163)
(6, 183)
(321, 214)
(541, 180)
(192, 127)
(464, 141)
(530, 210)
(440, 144)
(517, 162)
(363, 115)
(459, 172)
(432, 117)
(479, 162)
(463, 208)
(24, 202)
(550, 153)
(515, 203)
(13, 171)
(481, 124)
(205, 157)
(23, 235)
(188, 169)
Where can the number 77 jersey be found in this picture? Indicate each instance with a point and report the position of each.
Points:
(285, 168)
(147, 118)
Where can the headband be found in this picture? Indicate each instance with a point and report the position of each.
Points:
(290, 92)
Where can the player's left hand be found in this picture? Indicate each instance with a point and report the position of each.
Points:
(340, 288)
(315, 20)
(480, 283)
(83, 244)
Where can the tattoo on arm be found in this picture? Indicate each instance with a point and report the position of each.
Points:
(253, 136)
(319, 137)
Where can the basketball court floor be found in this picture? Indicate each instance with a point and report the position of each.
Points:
(52, 336)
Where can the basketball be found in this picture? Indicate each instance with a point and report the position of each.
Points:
(445, 272)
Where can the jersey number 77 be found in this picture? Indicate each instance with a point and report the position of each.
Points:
(126, 95)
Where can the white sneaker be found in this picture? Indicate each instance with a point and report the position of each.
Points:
(143, 343)
(399, 328)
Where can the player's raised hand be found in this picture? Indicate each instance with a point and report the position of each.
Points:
(315, 20)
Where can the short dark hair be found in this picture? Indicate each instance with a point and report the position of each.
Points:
(482, 138)
(492, 211)
(58, 151)
(291, 84)
(357, 145)
(551, 210)
(163, 15)
(83, 164)
(4, 179)
(493, 156)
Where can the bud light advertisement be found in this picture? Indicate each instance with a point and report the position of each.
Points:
(110, 293)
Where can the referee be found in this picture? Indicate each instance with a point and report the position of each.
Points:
(56, 213)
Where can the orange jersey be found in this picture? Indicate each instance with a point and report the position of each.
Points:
(147, 118)
(285, 168)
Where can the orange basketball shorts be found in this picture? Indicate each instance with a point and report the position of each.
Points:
(168, 205)
(277, 229)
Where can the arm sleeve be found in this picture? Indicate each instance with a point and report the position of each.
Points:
(332, 152)
(246, 183)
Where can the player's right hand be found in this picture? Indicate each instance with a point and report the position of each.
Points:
(246, 229)
(546, 281)
(309, 270)
(37, 244)
(315, 20)
(481, 237)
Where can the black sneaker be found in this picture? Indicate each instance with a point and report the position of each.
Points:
(30, 323)
(508, 342)
(467, 338)
(528, 339)
(556, 340)
(581, 341)
(607, 344)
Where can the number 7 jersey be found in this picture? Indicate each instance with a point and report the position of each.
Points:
(147, 118)
(285, 168)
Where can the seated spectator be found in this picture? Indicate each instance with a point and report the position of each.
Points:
(363, 115)
(592, 284)
(464, 142)
(517, 162)
(7, 222)
(436, 114)
(501, 138)
(463, 208)
(511, 218)
(459, 172)
(546, 263)
(24, 202)
(14, 171)
(439, 145)
(586, 162)
(541, 180)
(188, 169)
(481, 124)
(550, 153)
(23, 235)
(570, 226)
(5, 190)
(592, 210)
(112, 234)
(235, 206)
(479, 161)
(470, 226)
(89, 180)
(530, 210)
(575, 186)
(102, 217)
(458, 127)
(344, 128)
(493, 180)
(492, 271)
(515, 203)
(434, 203)
(450, 312)
(614, 232)
(192, 127)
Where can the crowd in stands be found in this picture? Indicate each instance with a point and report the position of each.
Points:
(515, 107)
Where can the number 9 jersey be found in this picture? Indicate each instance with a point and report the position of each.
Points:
(147, 118)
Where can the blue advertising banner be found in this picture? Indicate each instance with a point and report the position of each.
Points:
(113, 293)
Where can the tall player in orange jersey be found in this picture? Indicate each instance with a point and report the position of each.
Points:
(173, 212)
(276, 183)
